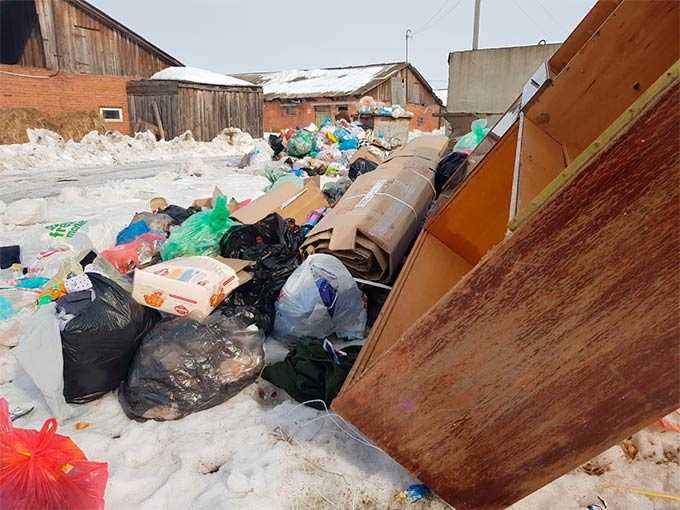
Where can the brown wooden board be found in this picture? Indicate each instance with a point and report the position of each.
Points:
(584, 30)
(636, 44)
(539, 160)
(561, 342)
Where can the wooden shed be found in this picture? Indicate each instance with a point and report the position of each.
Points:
(175, 106)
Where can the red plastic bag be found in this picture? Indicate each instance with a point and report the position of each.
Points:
(47, 471)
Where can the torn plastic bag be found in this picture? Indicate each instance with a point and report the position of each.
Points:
(45, 470)
(40, 355)
(200, 234)
(319, 299)
(361, 166)
(184, 366)
(99, 343)
(468, 142)
(138, 253)
(274, 244)
(313, 370)
(450, 171)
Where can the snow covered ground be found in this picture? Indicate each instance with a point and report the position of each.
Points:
(254, 452)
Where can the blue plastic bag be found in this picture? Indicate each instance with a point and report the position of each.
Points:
(132, 232)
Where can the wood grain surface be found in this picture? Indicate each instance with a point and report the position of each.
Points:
(564, 340)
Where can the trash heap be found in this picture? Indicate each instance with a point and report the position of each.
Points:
(175, 315)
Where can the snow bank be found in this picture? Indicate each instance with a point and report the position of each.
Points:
(196, 75)
(49, 150)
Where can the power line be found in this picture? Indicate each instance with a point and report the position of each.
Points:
(441, 7)
(443, 16)
(540, 28)
(550, 14)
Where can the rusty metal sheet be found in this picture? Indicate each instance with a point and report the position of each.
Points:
(564, 340)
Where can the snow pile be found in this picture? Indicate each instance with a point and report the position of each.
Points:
(196, 75)
(49, 150)
(26, 212)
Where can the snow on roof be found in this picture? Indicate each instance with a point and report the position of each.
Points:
(196, 75)
(316, 82)
(442, 94)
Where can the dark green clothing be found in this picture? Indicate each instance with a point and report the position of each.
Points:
(309, 372)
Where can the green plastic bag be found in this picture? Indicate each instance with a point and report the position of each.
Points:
(478, 131)
(301, 143)
(200, 234)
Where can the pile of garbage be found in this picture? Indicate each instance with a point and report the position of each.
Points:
(174, 316)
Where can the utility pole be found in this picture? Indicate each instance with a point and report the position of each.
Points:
(408, 36)
(475, 28)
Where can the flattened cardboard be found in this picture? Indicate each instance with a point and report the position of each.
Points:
(373, 224)
(288, 200)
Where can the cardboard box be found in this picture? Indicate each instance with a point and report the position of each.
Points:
(189, 286)
(371, 153)
(374, 223)
(288, 200)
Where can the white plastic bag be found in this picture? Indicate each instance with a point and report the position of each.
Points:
(300, 309)
(39, 354)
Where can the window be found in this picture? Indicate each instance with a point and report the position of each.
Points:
(111, 114)
(342, 108)
(291, 110)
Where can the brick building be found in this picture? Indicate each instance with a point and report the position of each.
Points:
(68, 56)
(296, 98)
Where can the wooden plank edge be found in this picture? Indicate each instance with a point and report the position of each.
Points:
(601, 143)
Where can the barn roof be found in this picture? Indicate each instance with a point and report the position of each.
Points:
(109, 21)
(326, 82)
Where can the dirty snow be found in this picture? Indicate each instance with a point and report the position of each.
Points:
(48, 150)
(196, 75)
(255, 452)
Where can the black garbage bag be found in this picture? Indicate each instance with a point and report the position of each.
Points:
(274, 244)
(361, 166)
(312, 372)
(99, 343)
(276, 143)
(450, 171)
(184, 366)
(179, 214)
(249, 314)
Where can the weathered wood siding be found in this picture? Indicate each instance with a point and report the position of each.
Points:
(20, 39)
(204, 109)
(80, 39)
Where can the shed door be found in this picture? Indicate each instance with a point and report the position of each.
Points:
(321, 113)
(398, 92)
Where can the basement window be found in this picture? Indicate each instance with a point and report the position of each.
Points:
(111, 114)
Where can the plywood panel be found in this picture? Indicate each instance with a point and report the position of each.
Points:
(583, 31)
(431, 270)
(636, 44)
(476, 217)
(539, 161)
(562, 342)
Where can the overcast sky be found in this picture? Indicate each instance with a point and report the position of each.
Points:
(233, 36)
